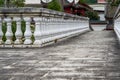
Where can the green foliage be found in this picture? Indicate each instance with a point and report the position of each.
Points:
(88, 1)
(4, 29)
(1, 2)
(82, 1)
(92, 15)
(16, 3)
(13, 30)
(114, 2)
(54, 5)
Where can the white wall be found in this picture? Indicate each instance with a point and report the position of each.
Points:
(98, 27)
(98, 7)
(102, 17)
(32, 1)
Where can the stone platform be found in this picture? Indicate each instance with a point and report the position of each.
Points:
(91, 56)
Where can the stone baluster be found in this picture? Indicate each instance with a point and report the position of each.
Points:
(28, 32)
(9, 32)
(68, 27)
(74, 23)
(78, 27)
(54, 25)
(44, 25)
(50, 26)
(71, 26)
(80, 23)
(37, 33)
(1, 33)
(18, 32)
(60, 26)
(64, 27)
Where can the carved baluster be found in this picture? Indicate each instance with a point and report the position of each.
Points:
(53, 25)
(9, 32)
(37, 33)
(56, 25)
(28, 32)
(44, 26)
(18, 32)
(1, 33)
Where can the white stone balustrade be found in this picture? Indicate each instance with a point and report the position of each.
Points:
(117, 22)
(117, 27)
(45, 28)
(1, 33)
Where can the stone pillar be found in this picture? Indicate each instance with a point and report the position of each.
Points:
(1, 33)
(18, 32)
(28, 32)
(37, 33)
(9, 32)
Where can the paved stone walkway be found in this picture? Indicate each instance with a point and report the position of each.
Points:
(91, 56)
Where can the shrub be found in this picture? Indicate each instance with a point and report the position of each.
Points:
(88, 1)
(92, 15)
(54, 5)
(16, 3)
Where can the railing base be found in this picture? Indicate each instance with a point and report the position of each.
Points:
(45, 44)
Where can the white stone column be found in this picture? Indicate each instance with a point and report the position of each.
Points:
(53, 25)
(18, 32)
(37, 33)
(28, 32)
(43, 26)
(1, 33)
(9, 32)
(46, 32)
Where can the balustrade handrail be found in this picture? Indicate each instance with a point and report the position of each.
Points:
(117, 13)
(34, 27)
(38, 11)
(117, 23)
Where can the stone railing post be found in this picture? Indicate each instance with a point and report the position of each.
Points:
(37, 33)
(9, 32)
(18, 32)
(1, 33)
(43, 25)
(28, 32)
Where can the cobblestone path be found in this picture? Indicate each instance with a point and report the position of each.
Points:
(91, 56)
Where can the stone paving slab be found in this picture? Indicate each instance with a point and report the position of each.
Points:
(91, 56)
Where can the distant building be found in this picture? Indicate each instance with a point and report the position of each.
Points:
(67, 7)
(100, 8)
(101, 1)
(77, 9)
(33, 3)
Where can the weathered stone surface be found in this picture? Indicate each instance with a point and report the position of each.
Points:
(91, 56)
